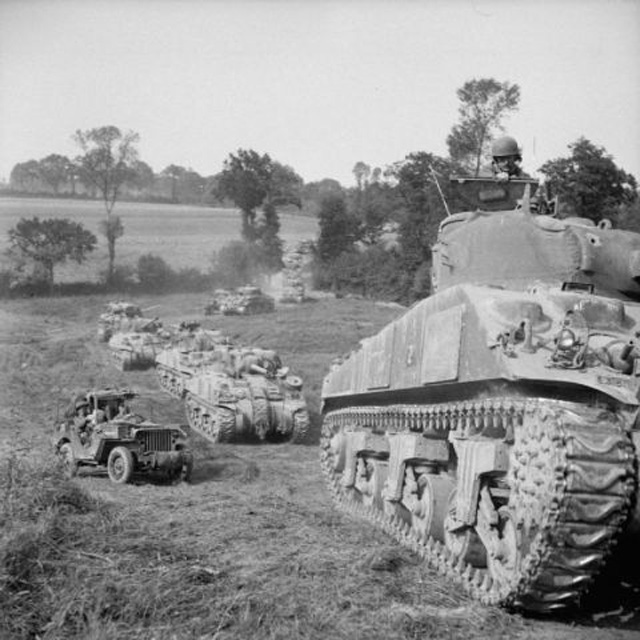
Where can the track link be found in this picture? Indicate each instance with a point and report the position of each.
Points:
(170, 381)
(570, 479)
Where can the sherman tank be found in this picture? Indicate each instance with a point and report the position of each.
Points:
(191, 350)
(134, 350)
(260, 402)
(493, 426)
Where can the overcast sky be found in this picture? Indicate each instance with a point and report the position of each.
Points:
(319, 85)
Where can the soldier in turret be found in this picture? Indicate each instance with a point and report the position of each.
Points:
(506, 159)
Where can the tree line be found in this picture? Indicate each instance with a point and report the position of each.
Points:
(375, 238)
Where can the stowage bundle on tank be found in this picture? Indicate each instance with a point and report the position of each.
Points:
(260, 400)
(493, 427)
(102, 429)
(244, 301)
(189, 350)
(295, 260)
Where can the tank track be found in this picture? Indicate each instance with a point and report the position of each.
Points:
(571, 477)
(170, 381)
(219, 426)
(301, 425)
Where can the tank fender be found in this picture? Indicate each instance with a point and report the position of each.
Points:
(475, 457)
(358, 442)
(405, 447)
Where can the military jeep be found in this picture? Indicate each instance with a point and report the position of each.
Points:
(100, 429)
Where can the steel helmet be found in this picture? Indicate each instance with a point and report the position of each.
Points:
(505, 146)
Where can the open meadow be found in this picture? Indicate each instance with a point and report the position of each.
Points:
(252, 548)
(184, 236)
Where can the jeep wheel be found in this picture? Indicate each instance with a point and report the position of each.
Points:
(120, 465)
(69, 461)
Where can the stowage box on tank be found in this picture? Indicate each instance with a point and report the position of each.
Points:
(493, 427)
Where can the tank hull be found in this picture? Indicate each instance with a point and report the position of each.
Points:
(495, 433)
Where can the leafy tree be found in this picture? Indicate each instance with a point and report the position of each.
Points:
(589, 183)
(46, 243)
(174, 172)
(373, 205)
(236, 264)
(629, 216)
(338, 229)
(245, 181)
(154, 273)
(108, 162)
(142, 176)
(54, 170)
(25, 176)
(421, 212)
(253, 181)
(484, 104)
(192, 187)
(318, 190)
(362, 172)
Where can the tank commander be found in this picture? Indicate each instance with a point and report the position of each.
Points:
(506, 160)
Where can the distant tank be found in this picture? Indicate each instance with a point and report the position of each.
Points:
(244, 301)
(493, 427)
(217, 302)
(250, 407)
(124, 316)
(136, 350)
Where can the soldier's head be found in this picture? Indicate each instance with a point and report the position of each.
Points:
(82, 407)
(506, 154)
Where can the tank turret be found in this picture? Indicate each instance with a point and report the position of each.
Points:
(493, 427)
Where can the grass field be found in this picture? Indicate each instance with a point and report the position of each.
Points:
(185, 236)
(252, 549)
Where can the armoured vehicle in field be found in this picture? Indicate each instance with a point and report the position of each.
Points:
(244, 301)
(217, 302)
(493, 427)
(133, 350)
(101, 430)
(124, 316)
(252, 406)
(189, 351)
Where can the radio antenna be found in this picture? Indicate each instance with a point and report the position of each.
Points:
(444, 202)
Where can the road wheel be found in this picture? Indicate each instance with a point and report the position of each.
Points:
(120, 465)
(300, 426)
(69, 462)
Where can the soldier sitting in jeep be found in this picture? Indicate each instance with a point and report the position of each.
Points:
(104, 432)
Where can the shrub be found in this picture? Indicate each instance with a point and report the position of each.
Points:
(123, 279)
(372, 273)
(236, 264)
(154, 274)
(191, 279)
